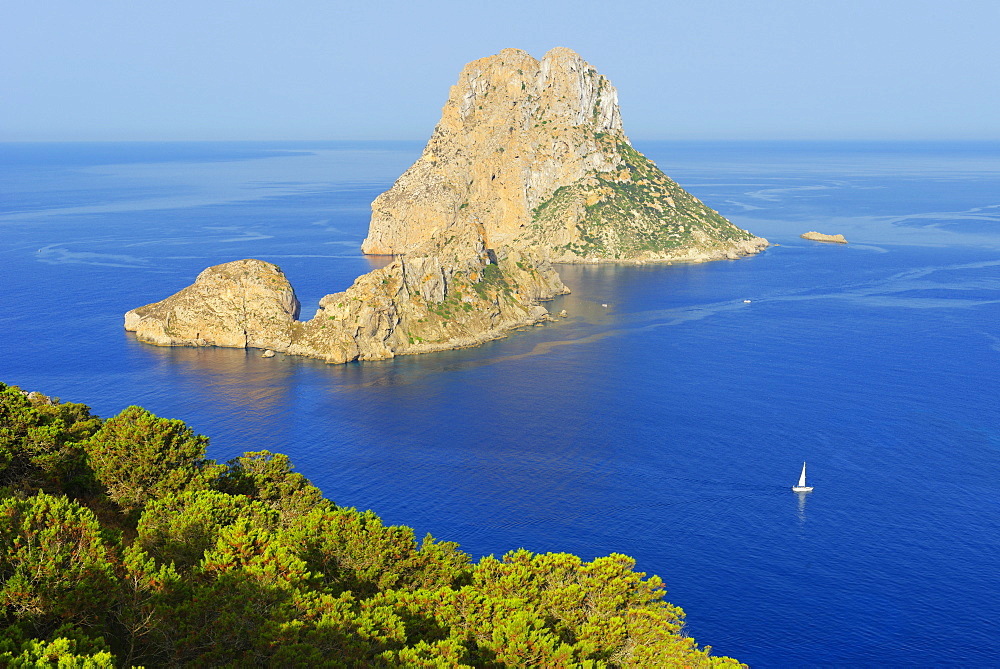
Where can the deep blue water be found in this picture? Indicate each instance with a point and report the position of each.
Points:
(667, 426)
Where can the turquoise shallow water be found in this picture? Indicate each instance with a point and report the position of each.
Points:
(667, 426)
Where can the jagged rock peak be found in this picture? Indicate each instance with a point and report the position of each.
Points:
(562, 86)
(514, 130)
(532, 153)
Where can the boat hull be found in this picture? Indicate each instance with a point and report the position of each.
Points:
(801, 488)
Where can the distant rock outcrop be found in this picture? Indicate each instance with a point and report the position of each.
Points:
(820, 237)
(533, 152)
(528, 166)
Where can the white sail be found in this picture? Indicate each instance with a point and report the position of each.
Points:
(802, 479)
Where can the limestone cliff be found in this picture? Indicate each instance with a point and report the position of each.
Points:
(448, 293)
(533, 153)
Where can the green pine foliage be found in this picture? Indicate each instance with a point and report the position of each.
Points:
(138, 457)
(633, 213)
(268, 477)
(41, 442)
(122, 545)
(56, 567)
(68, 649)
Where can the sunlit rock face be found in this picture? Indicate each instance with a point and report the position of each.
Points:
(246, 303)
(533, 153)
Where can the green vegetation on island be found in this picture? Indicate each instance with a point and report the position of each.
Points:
(121, 544)
(634, 213)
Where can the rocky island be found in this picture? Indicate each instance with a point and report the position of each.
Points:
(528, 166)
(820, 237)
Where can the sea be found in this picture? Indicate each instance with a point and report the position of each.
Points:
(666, 418)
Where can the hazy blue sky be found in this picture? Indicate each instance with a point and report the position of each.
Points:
(311, 69)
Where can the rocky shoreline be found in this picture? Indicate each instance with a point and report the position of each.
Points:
(414, 305)
(691, 256)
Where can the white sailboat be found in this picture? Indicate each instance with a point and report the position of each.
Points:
(802, 487)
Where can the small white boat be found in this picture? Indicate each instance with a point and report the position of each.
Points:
(802, 487)
(746, 301)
